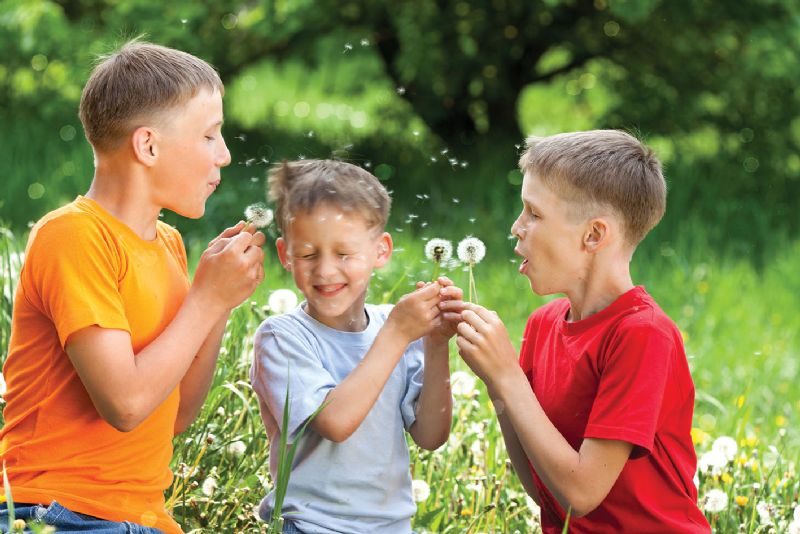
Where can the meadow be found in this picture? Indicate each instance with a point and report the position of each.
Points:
(740, 325)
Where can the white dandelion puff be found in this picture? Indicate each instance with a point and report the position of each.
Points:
(471, 250)
(715, 501)
(797, 514)
(282, 301)
(209, 486)
(712, 462)
(726, 446)
(237, 448)
(793, 527)
(420, 491)
(765, 512)
(532, 506)
(259, 215)
(438, 250)
(462, 384)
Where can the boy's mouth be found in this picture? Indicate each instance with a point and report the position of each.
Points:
(524, 263)
(329, 290)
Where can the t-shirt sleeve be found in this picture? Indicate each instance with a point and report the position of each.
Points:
(415, 364)
(633, 376)
(73, 274)
(284, 358)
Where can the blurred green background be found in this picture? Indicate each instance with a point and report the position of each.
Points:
(435, 97)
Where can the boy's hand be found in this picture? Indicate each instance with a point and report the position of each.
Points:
(450, 305)
(230, 268)
(484, 345)
(416, 314)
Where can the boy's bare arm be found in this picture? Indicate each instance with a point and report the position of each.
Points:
(517, 456)
(197, 381)
(434, 410)
(126, 389)
(577, 479)
(414, 316)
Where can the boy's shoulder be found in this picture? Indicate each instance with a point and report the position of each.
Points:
(634, 311)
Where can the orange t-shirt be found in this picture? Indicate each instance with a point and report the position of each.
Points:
(83, 267)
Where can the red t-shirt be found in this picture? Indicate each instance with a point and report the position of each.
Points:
(620, 374)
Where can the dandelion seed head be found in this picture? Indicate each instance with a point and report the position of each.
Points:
(715, 501)
(471, 250)
(347, 47)
(401, 91)
(462, 384)
(726, 446)
(209, 486)
(420, 491)
(364, 42)
(259, 215)
(438, 250)
(237, 448)
(282, 301)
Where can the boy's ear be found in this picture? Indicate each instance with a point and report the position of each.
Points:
(385, 247)
(143, 142)
(597, 235)
(283, 253)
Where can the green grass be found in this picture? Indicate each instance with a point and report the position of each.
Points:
(741, 329)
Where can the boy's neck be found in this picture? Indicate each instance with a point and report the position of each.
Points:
(122, 191)
(354, 320)
(599, 288)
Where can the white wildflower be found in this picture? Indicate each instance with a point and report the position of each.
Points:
(471, 250)
(532, 506)
(712, 462)
(476, 448)
(765, 512)
(726, 446)
(438, 250)
(462, 384)
(259, 215)
(209, 486)
(237, 448)
(715, 501)
(282, 301)
(797, 514)
(420, 491)
(474, 487)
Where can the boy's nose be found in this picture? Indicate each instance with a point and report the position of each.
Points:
(326, 267)
(224, 156)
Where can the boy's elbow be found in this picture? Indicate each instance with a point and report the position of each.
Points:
(582, 505)
(332, 430)
(124, 417)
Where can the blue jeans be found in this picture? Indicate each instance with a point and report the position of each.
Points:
(69, 522)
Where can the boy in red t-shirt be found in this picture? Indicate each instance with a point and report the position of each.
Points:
(596, 415)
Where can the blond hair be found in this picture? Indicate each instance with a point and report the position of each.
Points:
(134, 84)
(300, 186)
(602, 168)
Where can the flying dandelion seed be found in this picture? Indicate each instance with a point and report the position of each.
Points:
(241, 137)
(258, 215)
(401, 91)
(364, 42)
(347, 47)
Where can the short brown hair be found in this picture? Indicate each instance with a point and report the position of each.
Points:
(135, 83)
(607, 168)
(296, 186)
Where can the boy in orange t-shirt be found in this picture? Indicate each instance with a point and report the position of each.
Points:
(112, 349)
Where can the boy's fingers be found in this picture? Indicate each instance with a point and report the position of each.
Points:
(487, 315)
(444, 281)
(228, 232)
(259, 239)
(456, 306)
(239, 242)
(467, 331)
(452, 293)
